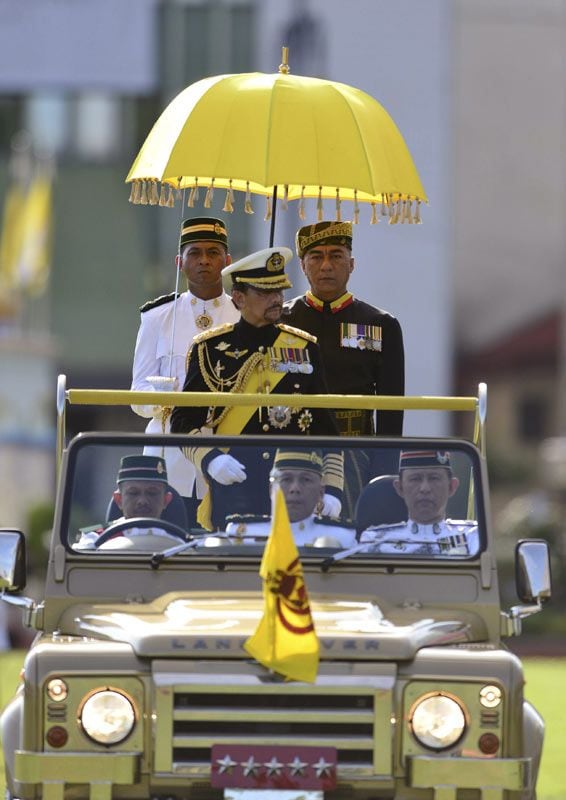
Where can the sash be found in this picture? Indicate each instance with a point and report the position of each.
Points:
(238, 417)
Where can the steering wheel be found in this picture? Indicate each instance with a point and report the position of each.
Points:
(141, 522)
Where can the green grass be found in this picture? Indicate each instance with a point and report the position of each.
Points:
(546, 689)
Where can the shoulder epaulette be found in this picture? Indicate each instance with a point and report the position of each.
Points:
(159, 301)
(335, 522)
(461, 521)
(219, 330)
(297, 332)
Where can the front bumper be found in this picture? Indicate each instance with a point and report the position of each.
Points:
(101, 771)
(446, 775)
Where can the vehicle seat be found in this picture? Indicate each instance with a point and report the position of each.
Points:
(175, 511)
(379, 504)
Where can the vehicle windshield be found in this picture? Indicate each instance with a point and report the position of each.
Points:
(422, 498)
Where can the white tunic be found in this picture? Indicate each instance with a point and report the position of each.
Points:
(152, 357)
(452, 537)
(304, 531)
(89, 537)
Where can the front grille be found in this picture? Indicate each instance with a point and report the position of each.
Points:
(350, 713)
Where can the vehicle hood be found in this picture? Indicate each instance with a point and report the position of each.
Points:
(217, 627)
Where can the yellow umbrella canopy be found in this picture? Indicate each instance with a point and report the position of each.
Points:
(267, 133)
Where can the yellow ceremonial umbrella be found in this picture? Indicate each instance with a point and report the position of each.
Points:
(267, 133)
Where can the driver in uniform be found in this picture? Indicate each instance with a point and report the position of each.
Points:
(142, 491)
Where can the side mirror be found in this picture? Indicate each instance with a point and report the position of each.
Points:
(532, 571)
(12, 560)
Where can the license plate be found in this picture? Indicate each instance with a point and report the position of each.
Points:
(265, 768)
(271, 794)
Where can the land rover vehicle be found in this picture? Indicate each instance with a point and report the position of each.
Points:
(137, 684)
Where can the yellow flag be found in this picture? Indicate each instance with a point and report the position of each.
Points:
(33, 264)
(285, 640)
(11, 239)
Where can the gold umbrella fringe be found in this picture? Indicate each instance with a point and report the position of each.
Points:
(398, 209)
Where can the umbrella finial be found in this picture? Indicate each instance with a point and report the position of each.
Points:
(284, 66)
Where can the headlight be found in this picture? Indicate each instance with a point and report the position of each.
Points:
(438, 721)
(107, 717)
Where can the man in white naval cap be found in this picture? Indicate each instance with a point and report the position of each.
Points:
(426, 483)
(299, 473)
(168, 325)
(256, 355)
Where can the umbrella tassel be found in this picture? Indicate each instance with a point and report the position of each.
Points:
(384, 204)
(396, 207)
(302, 214)
(391, 206)
(357, 208)
(143, 195)
(374, 218)
(153, 195)
(403, 216)
(409, 214)
(209, 195)
(267, 209)
(338, 207)
(163, 195)
(193, 195)
(170, 198)
(135, 193)
(229, 202)
(248, 204)
(319, 210)
(285, 201)
(417, 219)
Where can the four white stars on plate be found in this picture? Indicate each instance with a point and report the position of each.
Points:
(273, 766)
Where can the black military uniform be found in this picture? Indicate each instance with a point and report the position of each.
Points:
(240, 357)
(362, 353)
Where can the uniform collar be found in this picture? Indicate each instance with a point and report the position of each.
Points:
(419, 527)
(334, 306)
(301, 524)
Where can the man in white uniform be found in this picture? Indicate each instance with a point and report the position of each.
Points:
(142, 491)
(300, 475)
(160, 356)
(426, 483)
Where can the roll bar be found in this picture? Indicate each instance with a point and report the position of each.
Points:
(123, 397)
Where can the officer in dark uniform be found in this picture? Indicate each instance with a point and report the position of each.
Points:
(257, 354)
(361, 346)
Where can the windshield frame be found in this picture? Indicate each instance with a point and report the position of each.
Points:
(72, 455)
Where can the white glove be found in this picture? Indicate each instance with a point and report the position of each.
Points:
(226, 469)
(331, 506)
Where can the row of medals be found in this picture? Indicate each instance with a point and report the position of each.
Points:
(291, 366)
(361, 343)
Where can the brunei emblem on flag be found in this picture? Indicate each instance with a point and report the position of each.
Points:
(285, 640)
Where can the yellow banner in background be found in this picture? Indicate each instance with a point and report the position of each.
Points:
(285, 640)
(25, 244)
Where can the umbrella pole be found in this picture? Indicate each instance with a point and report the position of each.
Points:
(274, 209)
